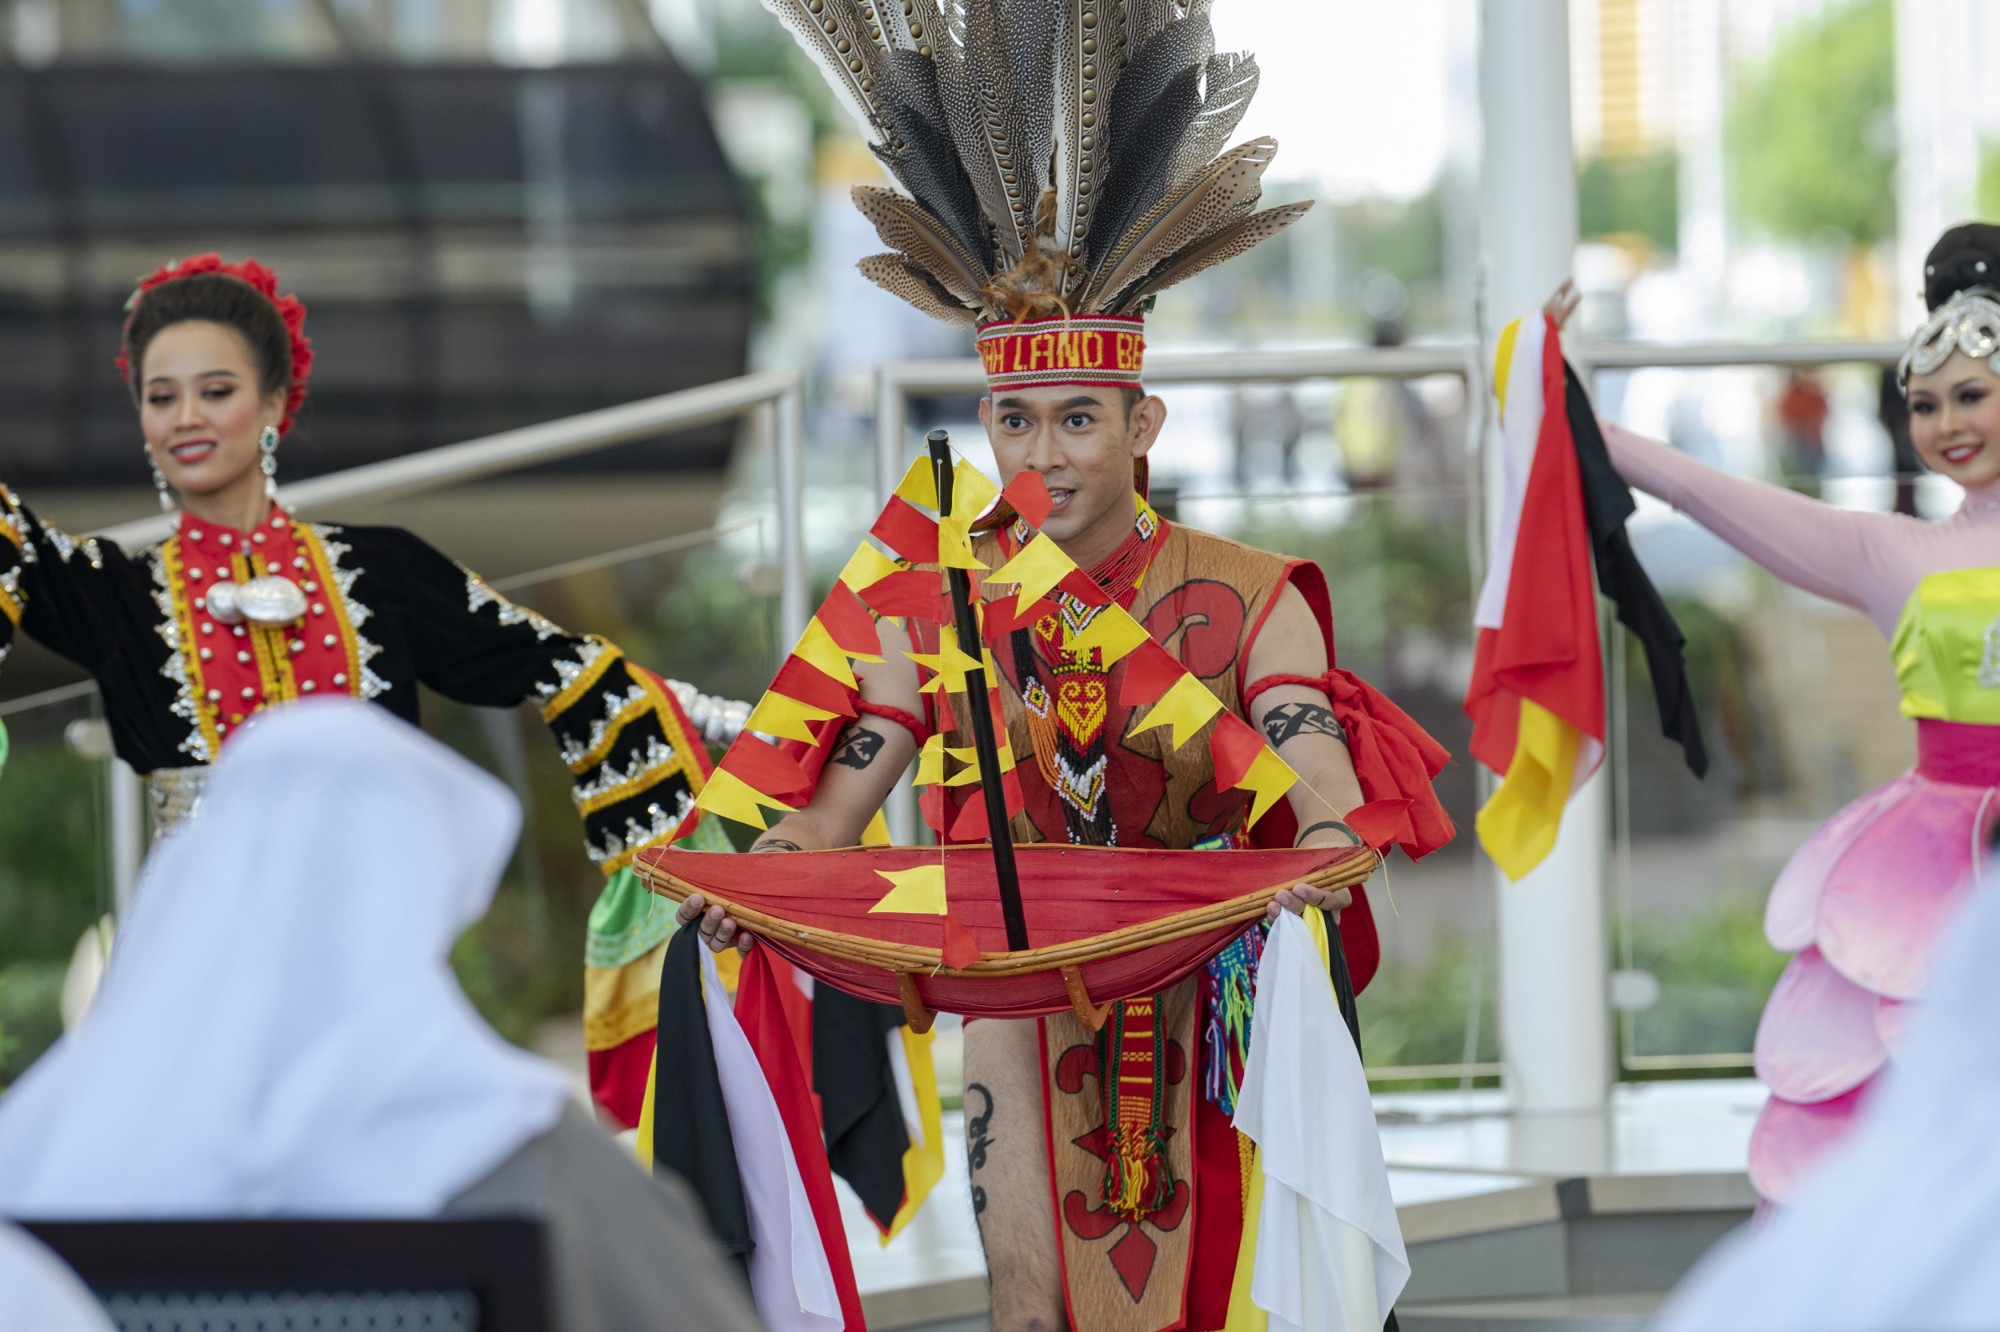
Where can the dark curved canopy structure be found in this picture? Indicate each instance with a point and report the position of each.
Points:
(481, 247)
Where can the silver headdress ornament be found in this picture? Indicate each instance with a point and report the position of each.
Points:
(1969, 322)
(1059, 157)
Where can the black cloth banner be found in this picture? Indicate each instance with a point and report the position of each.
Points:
(859, 1108)
(691, 1136)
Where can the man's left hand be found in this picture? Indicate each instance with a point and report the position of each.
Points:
(1299, 896)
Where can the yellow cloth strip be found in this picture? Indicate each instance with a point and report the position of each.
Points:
(1503, 363)
(1519, 823)
(923, 1162)
(621, 1002)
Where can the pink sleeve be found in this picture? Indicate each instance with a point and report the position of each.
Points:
(1840, 554)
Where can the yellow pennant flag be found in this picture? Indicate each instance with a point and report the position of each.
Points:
(919, 484)
(817, 648)
(955, 543)
(1186, 708)
(916, 892)
(968, 774)
(779, 714)
(948, 664)
(1268, 779)
(971, 493)
(867, 567)
(1115, 631)
(930, 762)
(734, 799)
(1036, 569)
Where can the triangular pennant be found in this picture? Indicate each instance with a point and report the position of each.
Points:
(1232, 747)
(969, 825)
(1150, 671)
(801, 680)
(1185, 709)
(947, 665)
(960, 949)
(915, 593)
(866, 567)
(1114, 633)
(1028, 493)
(850, 624)
(968, 771)
(1269, 778)
(930, 762)
(1383, 823)
(1034, 570)
(817, 648)
(909, 532)
(954, 543)
(931, 803)
(919, 484)
(766, 767)
(918, 891)
(786, 717)
(971, 493)
(736, 800)
(1000, 618)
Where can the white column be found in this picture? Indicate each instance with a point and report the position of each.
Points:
(1938, 133)
(1555, 1029)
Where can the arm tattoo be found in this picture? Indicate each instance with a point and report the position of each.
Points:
(1289, 719)
(776, 844)
(1336, 825)
(977, 1139)
(858, 747)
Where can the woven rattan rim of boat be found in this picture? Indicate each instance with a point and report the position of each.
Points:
(895, 957)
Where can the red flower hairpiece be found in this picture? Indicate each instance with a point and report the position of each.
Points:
(290, 308)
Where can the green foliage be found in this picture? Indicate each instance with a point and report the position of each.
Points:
(1637, 196)
(1989, 180)
(1810, 129)
(1715, 972)
(1404, 238)
(30, 1013)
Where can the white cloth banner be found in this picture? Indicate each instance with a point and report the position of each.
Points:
(1330, 1253)
(790, 1277)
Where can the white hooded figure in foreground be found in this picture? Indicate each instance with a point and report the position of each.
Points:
(1901, 1228)
(280, 1033)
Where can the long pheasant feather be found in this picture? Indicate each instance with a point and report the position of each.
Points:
(1218, 195)
(894, 274)
(1216, 248)
(836, 36)
(924, 241)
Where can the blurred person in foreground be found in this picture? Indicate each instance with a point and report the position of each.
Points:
(1863, 903)
(1899, 1230)
(280, 1034)
(38, 1291)
(245, 607)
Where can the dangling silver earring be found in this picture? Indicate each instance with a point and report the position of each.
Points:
(268, 442)
(159, 481)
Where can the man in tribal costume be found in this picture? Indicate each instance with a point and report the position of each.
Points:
(1062, 168)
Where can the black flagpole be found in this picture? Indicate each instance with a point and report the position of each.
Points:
(976, 703)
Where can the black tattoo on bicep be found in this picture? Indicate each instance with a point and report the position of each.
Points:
(977, 1139)
(775, 844)
(1289, 719)
(858, 747)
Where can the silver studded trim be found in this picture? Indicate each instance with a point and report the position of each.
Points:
(478, 596)
(657, 755)
(618, 710)
(660, 822)
(719, 720)
(1969, 322)
(373, 686)
(185, 706)
(571, 669)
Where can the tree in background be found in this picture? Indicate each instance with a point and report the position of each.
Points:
(1631, 196)
(1811, 129)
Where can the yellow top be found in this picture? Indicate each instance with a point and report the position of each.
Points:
(1947, 647)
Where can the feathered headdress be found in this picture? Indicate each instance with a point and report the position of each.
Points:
(1063, 160)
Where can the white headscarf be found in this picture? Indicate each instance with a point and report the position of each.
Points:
(279, 1031)
(1900, 1228)
(37, 1291)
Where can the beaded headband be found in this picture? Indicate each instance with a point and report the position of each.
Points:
(1969, 322)
(260, 279)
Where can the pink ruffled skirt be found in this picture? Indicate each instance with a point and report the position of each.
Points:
(1862, 905)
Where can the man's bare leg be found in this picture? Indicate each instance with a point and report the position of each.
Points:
(1007, 1151)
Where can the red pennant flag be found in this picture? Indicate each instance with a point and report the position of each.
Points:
(686, 827)
(1084, 588)
(1010, 784)
(961, 950)
(1000, 619)
(849, 623)
(766, 767)
(1383, 823)
(1029, 494)
(971, 824)
(1232, 747)
(807, 683)
(913, 592)
(908, 531)
(931, 804)
(1150, 671)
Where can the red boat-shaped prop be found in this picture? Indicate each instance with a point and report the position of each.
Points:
(1104, 923)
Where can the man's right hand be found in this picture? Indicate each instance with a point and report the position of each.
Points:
(718, 931)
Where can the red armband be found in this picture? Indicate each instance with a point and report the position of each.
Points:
(889, 712)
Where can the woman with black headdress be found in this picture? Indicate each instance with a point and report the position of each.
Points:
(1862, 904)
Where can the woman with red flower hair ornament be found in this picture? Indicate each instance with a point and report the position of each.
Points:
(246, 607)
